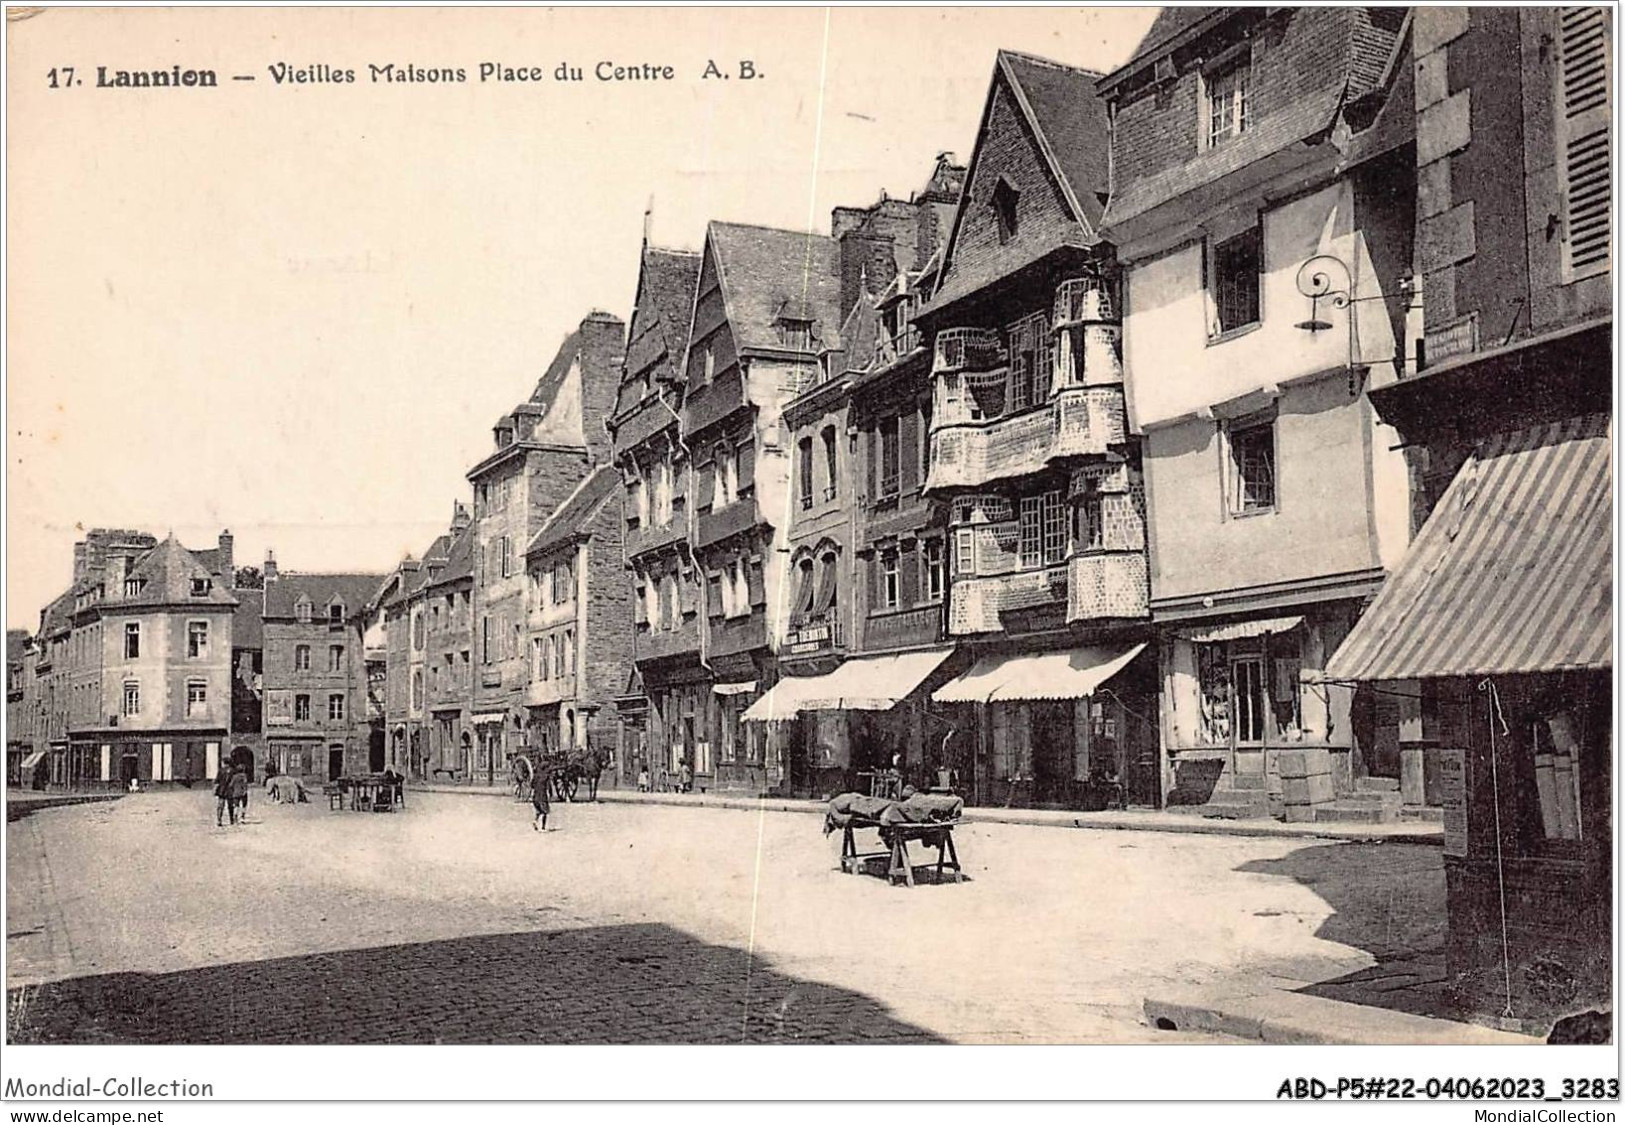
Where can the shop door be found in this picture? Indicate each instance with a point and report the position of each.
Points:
(335, 763)
(127, 768)
(1052, 751)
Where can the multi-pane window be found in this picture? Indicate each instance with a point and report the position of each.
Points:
(804, 457)
(301, 658)
(197, 700)
(197, 640)
(335, 613)
(1247, 676)
(132, 697)
(132, 587)
(301, 612)
(1233, 281)
(335, 702)
(335, 658)
(1228, 113)
(932, 562)
(1029, 358)
(890, 588)
(1252, 468)
(301, 708)
(888, 466)
(1042, 530)
(965, 551)
(132, 641)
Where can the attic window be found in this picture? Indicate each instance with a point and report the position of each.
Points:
(201, 587)
(1227, 104)
(132, 586)
(1004, 201)
(795, 332)
(301, 611)
(335, 613)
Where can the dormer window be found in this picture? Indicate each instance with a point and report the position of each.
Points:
(795, 332)
(301, 611)
(201, 587)
(1227, 104)
(335, 613)
(1004, 203)
(132, 587)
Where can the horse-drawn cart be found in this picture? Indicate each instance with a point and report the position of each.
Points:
(567, 772)
(928, 819)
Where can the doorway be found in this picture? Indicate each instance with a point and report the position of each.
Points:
(335, 762)
(127, 768)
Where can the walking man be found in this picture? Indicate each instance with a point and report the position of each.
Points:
(541, 780)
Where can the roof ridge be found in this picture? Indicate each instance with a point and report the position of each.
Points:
(671, 250)
(1056, 63)
(776, 230)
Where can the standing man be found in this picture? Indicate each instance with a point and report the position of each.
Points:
(541, 780)
(238, 794)
(223, 805)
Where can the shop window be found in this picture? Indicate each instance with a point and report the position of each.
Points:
(1234, 267)
(1247, 675)
(1213, 681)
(1252, 468)
(1012, 743)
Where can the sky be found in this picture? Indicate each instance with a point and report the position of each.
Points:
(296, 310)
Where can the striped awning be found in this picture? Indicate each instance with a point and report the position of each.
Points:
(1511, 573)
(1074, 673)
(32, 760)
(1241, 630)
(869, 683)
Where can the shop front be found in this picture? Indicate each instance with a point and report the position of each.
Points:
(835, 732)
(1501, 615)
(1069, 728)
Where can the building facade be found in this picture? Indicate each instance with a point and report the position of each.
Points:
(1496, 628)
(1261, 206)
(315, 673)
(579, 626)
(543, 449)
(1030, 454)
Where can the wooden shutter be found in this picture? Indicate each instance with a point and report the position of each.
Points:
(908, 454)
(1584, 162)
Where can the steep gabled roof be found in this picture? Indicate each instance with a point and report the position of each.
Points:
(1067, 122)
(666, 280)
(16, 644)
(57, 616)
(248, 620)
(353, 591)
(767, 274)
(166, 573)
(459, 560)
(574, 516)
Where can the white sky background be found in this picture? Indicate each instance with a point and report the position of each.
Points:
(296, 312)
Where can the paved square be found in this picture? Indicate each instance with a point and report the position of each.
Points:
(139, 921)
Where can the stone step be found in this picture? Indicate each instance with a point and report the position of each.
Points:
(1377, 784)
(1422, 814)
(1356, 812)
(1382, 797)
(1237, 803)
(1247, 781)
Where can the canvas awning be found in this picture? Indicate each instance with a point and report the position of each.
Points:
(33, 759)
(1511, 573)
(743, 688)
(488, 718)
(1241, 630)
(1072, 673)
(869, 683)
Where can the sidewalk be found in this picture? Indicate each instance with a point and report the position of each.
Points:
(1131, 820)
(1281, 1016)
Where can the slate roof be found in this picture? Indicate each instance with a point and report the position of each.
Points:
(665, 301)
(16, 644)
(1307, 117)
(573, 517)
(57, 616)
(353, 590)
(768, 273)
(248, 621)
(459, 560)
(1071, 120)
(1170, 23)
(167, 571)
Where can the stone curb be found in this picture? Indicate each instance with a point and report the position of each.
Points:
(1127, 822)
(1291, 1018)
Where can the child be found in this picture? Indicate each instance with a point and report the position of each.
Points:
(643, 779)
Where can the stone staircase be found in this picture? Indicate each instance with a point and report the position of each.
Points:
(1241, 797)
(1375, 800)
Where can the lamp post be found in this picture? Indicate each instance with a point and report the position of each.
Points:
(1317, 281)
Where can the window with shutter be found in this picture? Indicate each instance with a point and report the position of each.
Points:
(1584, 163)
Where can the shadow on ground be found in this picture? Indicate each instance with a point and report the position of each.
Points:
(1386, 899)
(23, 804)
(608, 984)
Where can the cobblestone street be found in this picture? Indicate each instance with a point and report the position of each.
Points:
(139, 921)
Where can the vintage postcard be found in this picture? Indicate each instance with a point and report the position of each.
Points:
(813, 526)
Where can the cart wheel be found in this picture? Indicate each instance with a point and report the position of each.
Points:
(572, 785)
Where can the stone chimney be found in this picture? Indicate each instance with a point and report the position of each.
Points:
(866, 261)
(460, 518)
(228, 563)
(268, 571)
(117, 571)
(78, 560)
(603, 348)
